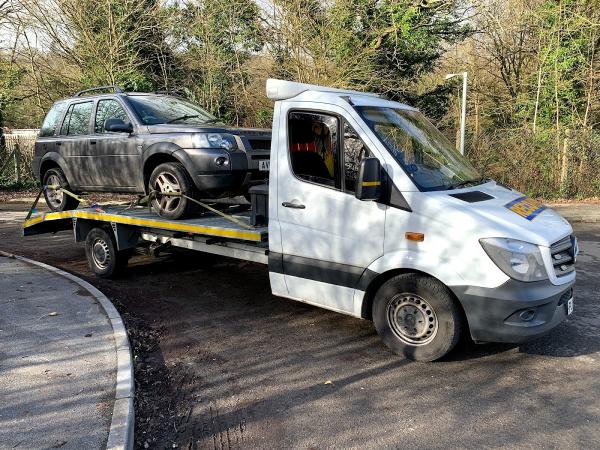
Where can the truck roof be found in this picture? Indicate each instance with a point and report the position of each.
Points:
(285, 90)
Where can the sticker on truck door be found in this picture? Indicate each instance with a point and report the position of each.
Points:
(526, 207)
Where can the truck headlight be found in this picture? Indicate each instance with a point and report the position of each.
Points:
(517, 259)
(214, 140)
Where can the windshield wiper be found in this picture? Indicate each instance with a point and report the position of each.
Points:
(187, 116)
(466, 183)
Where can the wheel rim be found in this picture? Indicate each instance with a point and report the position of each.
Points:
(55, 196)
(167, 183)
(412, 319)
(101, 253)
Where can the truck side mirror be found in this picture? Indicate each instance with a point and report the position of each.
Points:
(118, 126)
(368, 184)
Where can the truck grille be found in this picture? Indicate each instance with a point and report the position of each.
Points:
(563, 256)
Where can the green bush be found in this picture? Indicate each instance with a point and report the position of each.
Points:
(533, 162)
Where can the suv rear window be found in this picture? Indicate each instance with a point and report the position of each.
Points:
(52, 118)
(77, 120)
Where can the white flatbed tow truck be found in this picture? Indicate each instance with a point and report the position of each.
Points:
(371, 213)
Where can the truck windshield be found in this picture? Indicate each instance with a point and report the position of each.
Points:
(420, 148)
(155, 109)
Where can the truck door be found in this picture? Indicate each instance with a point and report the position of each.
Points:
(328, 236)
(115, 154)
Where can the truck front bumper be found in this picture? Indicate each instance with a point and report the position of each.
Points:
(515, 311)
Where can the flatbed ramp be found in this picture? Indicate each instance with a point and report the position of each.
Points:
(210, 224)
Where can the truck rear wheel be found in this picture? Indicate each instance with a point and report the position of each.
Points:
(417, 317)
(55, 198)
(170, 178)
(102, 255)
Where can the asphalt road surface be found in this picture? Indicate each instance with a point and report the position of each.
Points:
(221, 363)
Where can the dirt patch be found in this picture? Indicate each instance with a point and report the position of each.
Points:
(83, 292)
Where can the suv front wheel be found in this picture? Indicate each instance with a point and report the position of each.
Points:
(171, 178)
(54, 180)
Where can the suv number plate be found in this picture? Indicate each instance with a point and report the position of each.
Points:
(264, 165)
(570, 306)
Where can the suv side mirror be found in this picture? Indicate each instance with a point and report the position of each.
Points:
(118, 126)
(368, 184)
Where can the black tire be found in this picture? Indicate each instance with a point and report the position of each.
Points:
(172, 177)
(56, 200)
(417, 317)
(102, 255)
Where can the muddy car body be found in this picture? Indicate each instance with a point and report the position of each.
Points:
(136, 143)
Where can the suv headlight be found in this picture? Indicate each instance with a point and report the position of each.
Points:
(517, 259)
(214, 140)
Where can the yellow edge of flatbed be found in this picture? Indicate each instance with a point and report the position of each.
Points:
(162, 224)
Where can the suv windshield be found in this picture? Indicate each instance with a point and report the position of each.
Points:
(420, 148)
(155, 109)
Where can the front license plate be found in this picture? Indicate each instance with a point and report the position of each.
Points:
(570, 307)
(264, 165)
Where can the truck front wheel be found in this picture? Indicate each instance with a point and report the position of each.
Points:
(417, 317)
(102, 255)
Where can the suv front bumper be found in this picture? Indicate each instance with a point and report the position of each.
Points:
(515, 311)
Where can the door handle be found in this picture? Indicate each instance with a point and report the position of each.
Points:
(59, 143)
(92, 142)
(293, 205)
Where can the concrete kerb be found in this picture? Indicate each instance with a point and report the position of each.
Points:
(120, 434)
(578, 212)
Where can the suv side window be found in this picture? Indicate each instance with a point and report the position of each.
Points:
(355, 151)
(77, 120)
(313, 147)
(108, 109)
(52, 118)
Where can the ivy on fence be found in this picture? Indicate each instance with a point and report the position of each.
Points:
(16, 157)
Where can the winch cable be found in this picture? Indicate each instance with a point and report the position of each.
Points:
(55, 187)
(153, 195)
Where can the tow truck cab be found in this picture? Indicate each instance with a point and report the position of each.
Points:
(374, 214)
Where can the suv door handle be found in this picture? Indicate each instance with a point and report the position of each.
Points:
(92, 142)
(58, 143)
(293, 205)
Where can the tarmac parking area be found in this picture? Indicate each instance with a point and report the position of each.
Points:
(222, 363)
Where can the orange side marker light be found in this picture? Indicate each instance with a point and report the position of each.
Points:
(412, 236)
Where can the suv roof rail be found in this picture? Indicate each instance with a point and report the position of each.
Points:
(115, 89)
(175, 92)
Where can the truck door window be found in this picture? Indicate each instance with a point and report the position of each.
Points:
(313, 146)
(108, 109)
(77, 120)
(354, 152)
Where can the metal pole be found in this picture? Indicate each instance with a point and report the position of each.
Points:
(463, 119)
(17, 154)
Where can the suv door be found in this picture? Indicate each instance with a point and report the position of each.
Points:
(116, 154)
(74, 145)
(328, 236)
